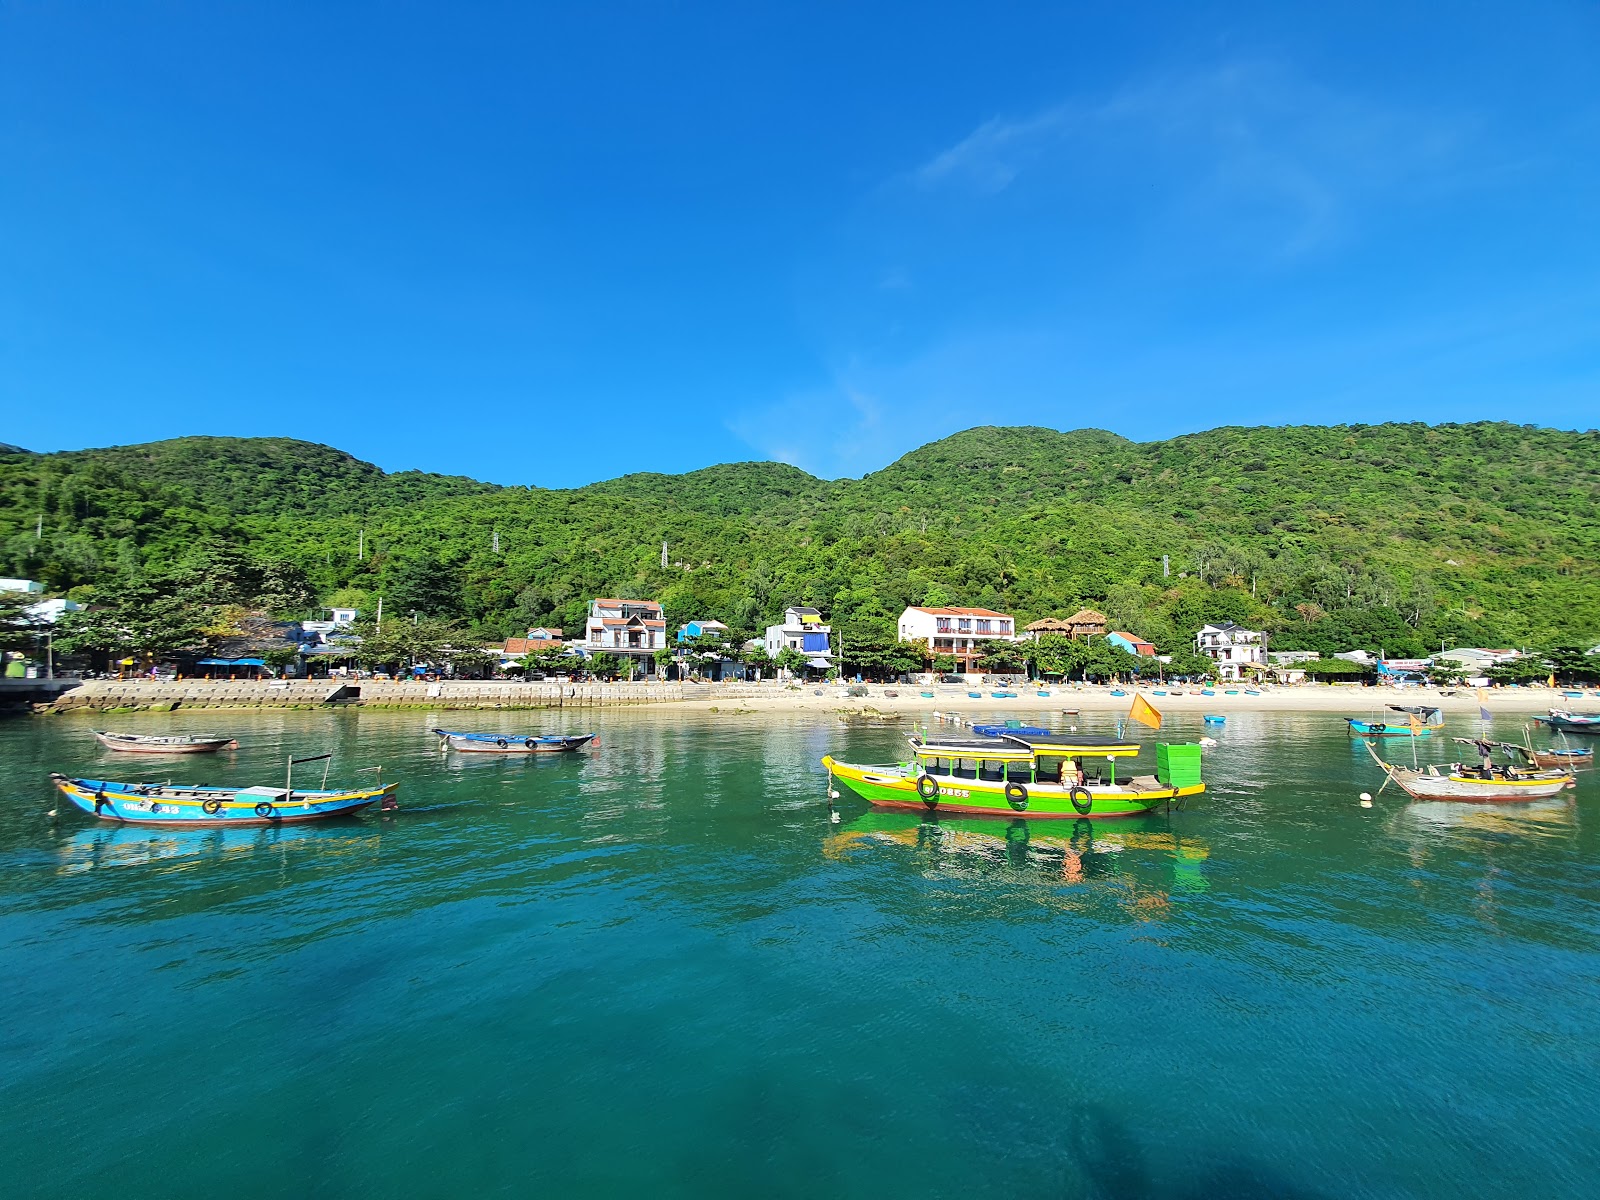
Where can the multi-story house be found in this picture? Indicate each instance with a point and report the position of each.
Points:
(1234, 649)
(802, 630)
(957, 631)
(628, 628)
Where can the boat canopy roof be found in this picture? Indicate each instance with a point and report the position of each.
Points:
(1024, 745)
(1426, 711)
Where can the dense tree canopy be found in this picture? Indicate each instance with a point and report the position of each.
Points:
(1399, 538)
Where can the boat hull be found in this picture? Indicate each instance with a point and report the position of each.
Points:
(467, 744)
(1458, 788)
(136, 804)
(127, 743)
(1385, 729)
(889, 788)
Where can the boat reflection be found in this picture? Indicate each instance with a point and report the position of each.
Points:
(103, 847)
(1075, 854)
(1555, 817)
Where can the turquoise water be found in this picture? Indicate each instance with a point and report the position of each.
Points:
(657, 968)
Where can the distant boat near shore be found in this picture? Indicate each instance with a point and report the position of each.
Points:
(139, 743)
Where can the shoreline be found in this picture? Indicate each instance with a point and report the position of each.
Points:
(165, 696)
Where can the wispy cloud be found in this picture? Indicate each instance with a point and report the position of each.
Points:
(1254, 134)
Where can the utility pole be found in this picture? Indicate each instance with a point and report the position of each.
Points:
(663, 555)
(497, 541)
(38, 527)
(380, 614)
(1166, 567)
(361, 546)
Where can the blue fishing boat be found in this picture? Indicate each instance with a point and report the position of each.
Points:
(1216, 720)
(975, 695)
(1415, 723)
(510, 743)
(1207, 692)
(1010, 728)
(198, 804)
(1118, 692)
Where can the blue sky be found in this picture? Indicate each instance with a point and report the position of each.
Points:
(552, 245)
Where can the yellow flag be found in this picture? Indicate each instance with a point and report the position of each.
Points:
(1415, 722)
(1552, 679)
(1144, 712)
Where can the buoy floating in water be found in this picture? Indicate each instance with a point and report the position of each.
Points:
(834, 816)
(1366, 799)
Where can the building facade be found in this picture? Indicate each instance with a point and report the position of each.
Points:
(959, 632)
(628, 628)
(1234, 649)
(803, 630)
(1131, 643)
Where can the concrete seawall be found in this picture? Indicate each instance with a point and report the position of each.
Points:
(165, 695)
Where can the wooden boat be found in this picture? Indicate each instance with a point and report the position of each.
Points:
(1531, 758)
(1023, 773)
(503, 743)
(1571, 722)
(175, 804)
(1426, 714)
(141, 743)
(1477, 784)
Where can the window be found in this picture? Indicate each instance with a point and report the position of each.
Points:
(983, 627)
(965, 768)
(992, 770)
(942, 625)
(965, 625)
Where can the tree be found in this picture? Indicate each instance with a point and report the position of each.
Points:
(138, 620)
(791, 660)
(280, 657)
(999, 655)
(422, 584)
(17, 628)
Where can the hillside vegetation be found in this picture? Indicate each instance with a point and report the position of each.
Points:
(1394, 537)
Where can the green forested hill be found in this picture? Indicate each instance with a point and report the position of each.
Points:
(1387, 536)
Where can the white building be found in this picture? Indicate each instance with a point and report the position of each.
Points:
(957, 631)
(1234, 649)
(342, 618)
(48, 612)
(630, 628)
(21, 585)
(1281, 658)
(802, 630)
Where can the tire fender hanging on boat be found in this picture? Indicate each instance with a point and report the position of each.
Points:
(501, 742)
(212, 807)
(1016, 795)
(928, 789)
(263, 809)
(1087, 799)
(529, 742)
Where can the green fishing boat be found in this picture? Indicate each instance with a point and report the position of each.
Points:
(1061, 775)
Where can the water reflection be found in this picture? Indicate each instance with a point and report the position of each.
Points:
(107, 846)
(1149, 861)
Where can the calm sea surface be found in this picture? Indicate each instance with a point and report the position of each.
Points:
(657, 968)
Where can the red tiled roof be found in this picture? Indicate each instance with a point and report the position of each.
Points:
(962, 612)
(531, 645)
(620, 603)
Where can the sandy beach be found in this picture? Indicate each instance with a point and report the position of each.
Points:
(1344, 700)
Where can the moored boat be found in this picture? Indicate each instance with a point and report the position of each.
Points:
(1570, 722)
(507, 743)
(141, 743)
(199, 804)
(1425, 717)
(1485, 782)
(1042, 775)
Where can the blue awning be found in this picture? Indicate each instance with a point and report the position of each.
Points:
(231, 662)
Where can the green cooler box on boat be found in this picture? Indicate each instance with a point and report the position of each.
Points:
(1178, 766)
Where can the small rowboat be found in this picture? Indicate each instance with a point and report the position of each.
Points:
(179, 804)
(1487, 783)
(501, 743)
(139, 743)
